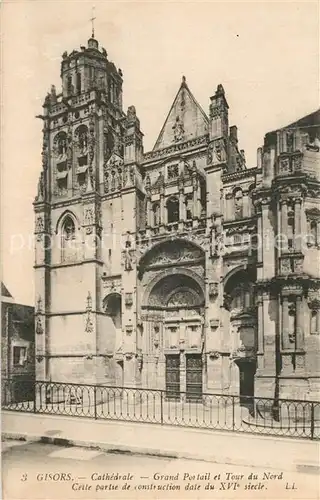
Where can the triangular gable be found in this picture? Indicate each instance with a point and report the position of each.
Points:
(186, 120)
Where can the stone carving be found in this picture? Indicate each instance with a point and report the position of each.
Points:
(214, 355)
(173, 253)
(39, 328)
(128, 299)
(214, 323)
(182, 298)
(128, 255)
(284, 166)
(40, 194)
(213, 289)
(89, 216)
(178, 130)
(217, 152)
(285, 266)
(39, 224)
(129, 329)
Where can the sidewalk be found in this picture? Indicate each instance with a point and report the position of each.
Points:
(232, 448)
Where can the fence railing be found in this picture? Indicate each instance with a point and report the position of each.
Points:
(292, 418)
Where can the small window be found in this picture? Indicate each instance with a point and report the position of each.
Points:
(19, 355)
(173, 210)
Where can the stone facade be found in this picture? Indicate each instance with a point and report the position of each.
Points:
(149, 271)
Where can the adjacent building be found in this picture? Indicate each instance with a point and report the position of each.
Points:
(149, 266)
(17, 346)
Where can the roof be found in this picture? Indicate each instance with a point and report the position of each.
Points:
(186, 119)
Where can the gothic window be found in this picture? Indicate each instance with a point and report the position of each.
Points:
(69, 85)
(68, 237)
(173, 210)
(156, 214)
(313, 233)
(238, 204)
(81, 135)
(313, 326)
(78, 83)
(112, 306)
(61, 143)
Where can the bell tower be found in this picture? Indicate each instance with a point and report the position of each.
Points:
(83, 126)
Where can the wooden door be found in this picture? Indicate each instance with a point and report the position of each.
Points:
(194, 376)
(173, 376)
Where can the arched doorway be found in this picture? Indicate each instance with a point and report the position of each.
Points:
(113, 310)
(242, 330)
(178, 300)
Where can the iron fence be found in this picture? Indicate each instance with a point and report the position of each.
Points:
(294, 418)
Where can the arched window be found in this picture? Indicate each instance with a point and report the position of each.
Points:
(78, 83)
(238, 204)
(156, 214)
(61, 143)
(313, 326)
(112, 306)
(313, 233)
(81, 135)
(69, 85)
(68, 239)
(173, 210)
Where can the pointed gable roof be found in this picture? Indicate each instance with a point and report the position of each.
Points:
(186, 119)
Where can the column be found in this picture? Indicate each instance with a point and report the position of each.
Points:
(182, 215)
(297, 225)
(195, 198)
(260, 238)
(284, 225)
(149, 213)
(162, 210)
(199, 199)
(260, 325)
(299, 324)
(246, 204)
(318, 321)
(285, 324)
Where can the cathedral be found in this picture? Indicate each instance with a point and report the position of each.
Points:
(181, 268)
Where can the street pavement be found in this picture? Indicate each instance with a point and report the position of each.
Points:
(34, 470)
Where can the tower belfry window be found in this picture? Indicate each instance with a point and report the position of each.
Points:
(78, 83)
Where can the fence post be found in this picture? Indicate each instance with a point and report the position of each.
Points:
(161, 406)
(95, 401)
(35, 397)
(312, 421)
(233, 422)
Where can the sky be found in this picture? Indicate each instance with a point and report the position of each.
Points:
(266, 55)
